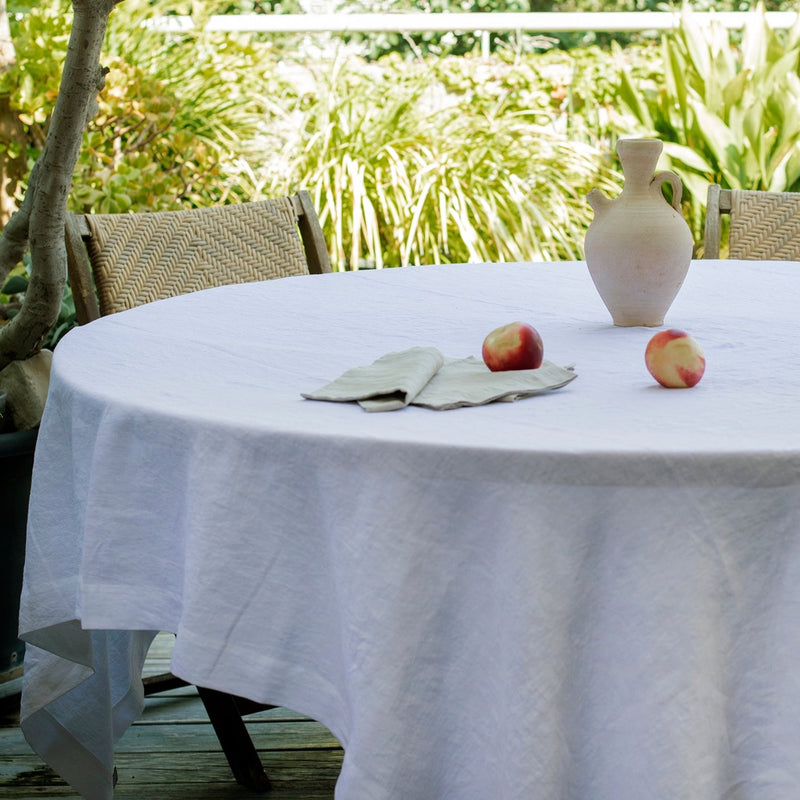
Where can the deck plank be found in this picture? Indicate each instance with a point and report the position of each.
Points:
(172, 753)
(173, 775)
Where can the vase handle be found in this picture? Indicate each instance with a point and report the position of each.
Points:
(674, 181)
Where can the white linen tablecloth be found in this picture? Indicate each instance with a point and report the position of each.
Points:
(592, 594)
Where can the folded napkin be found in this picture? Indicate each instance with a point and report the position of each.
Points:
(422, 376)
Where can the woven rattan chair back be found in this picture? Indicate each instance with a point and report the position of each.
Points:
(139, 258)
(764, 226)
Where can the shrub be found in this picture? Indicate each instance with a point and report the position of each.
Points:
(728, 113)
(415, 161)
(176, 120)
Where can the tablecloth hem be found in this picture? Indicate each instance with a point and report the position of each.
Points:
(301, 690)
(75, 764)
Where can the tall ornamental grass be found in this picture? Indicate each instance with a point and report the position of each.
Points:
(404, 172)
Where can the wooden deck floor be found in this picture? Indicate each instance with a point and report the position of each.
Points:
(172, 753)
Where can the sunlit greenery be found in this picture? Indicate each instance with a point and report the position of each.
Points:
(729, 115)
(404, 170)
(413, 159)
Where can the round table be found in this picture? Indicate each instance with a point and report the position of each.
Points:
(593, 592)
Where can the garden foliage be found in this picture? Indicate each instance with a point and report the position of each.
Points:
(728, 114)
(404, 170)
(414, 160)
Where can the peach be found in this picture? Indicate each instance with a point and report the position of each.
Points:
(675, 359)
(513, 346)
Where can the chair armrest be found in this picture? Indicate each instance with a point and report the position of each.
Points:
(80, 270)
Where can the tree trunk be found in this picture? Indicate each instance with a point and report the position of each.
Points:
(39, 222)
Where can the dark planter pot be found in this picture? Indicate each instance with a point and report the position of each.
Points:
(16, 465)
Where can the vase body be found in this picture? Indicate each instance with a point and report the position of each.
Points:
(638, 247)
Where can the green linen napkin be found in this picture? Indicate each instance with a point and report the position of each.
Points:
(422, 376)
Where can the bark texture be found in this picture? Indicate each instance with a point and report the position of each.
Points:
(38, 225)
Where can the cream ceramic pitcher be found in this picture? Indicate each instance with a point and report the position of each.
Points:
(638, 247)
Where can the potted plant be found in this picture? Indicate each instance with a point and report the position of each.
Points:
(16, 462)
(35, 234)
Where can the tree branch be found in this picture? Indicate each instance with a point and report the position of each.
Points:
(40, 220)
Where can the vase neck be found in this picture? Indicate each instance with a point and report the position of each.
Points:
(639, 158)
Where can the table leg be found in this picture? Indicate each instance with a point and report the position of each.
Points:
(225, 716)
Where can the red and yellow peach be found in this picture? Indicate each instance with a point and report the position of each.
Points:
(675, 359)
(513, 346)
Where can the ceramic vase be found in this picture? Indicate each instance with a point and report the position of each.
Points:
(638, 247)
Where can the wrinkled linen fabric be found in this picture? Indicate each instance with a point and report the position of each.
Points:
(592, 594)
(422, 376)
(389, 383)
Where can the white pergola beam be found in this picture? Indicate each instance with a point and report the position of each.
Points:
(532, 22)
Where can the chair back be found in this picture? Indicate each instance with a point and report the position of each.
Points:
(142, 257)
(763, 225)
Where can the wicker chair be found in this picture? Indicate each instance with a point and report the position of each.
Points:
(763, 225)
(118, 261)
(138, 258)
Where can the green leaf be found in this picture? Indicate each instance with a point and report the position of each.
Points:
(692, 35)
(687, 156)
(16, 284)
(734, 90)
(676, 78)
(631, 98)
(720, 142)
(755, 39)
